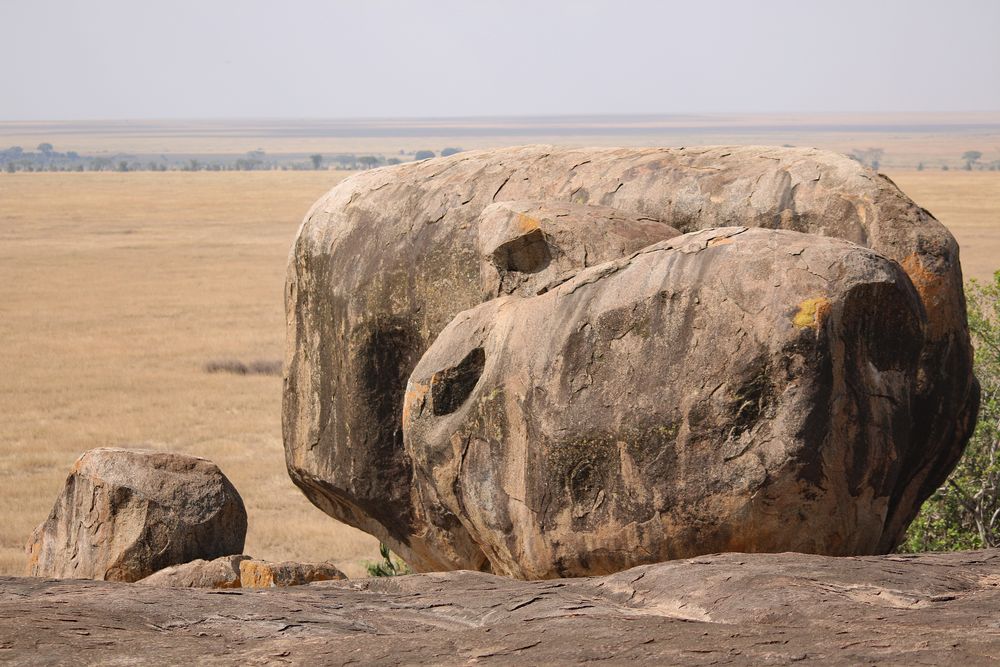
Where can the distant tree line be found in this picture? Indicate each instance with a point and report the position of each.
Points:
(46, 158)
(971, 160)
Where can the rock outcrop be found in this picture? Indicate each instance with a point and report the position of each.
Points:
(222, 572)
(262, 574)
(738, 609)
(125, 514)
(526, 248)
(602, 425)
(390, 257)
(241, 572)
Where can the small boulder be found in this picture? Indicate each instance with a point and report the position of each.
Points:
(219, 573)
(125, 514)
(261, 574)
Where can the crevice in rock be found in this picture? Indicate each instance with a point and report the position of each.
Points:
(451, 387)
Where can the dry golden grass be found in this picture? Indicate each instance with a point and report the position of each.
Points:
(116, 289)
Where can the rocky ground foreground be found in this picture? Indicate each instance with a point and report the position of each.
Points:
(721, 609)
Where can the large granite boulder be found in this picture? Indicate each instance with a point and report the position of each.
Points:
(727, 390)
(388, 258)
(125, 514)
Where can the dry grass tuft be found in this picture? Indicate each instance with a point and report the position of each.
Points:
(236, 367)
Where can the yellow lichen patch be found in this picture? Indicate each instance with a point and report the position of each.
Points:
(811, 313)
(525, 223)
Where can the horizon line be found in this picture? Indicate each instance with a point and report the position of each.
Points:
(673, 115)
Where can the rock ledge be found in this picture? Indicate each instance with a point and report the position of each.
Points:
(728, 609)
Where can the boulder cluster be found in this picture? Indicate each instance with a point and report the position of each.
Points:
(543, 362)
(157, 518)
(547, 362)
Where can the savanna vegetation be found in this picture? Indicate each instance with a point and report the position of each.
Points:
(965, 512)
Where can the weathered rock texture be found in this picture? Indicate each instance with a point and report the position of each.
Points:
(527, 248)
(261, 574)
(728, 390)
(734, 609)
(388, 258)
(219, 573)
(125, 514)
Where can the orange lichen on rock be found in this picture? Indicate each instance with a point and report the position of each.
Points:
(261, 574)
(525, 223)
(937, 294)
(720, 240)
(415, 396)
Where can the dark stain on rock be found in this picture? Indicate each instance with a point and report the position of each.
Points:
(387, 351)
(525, 254)
(753, 399)
(451, 386)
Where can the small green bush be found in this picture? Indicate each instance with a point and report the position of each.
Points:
(388, 566)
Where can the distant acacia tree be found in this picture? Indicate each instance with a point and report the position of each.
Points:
(45, 148)
(368, 161)
(868, 156)
(317, 160)
(445, 152)
(423, 155)
(971, 158)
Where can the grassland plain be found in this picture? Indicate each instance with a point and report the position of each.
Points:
(117, 289)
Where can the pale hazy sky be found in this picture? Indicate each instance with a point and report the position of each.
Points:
(76, 59)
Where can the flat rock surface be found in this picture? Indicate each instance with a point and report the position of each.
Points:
(720, 609)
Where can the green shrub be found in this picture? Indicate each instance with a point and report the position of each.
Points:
(965, 512)
(388, 566)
